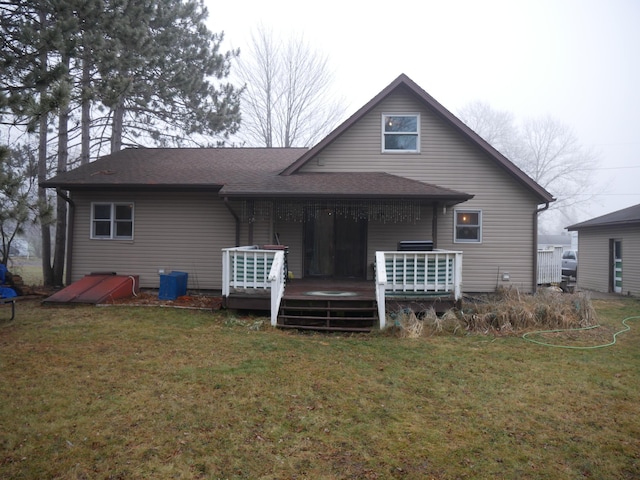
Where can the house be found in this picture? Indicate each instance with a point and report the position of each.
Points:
(609, 258)
(402, 168)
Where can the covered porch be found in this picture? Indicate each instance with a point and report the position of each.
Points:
(256, 278)
(342, 265)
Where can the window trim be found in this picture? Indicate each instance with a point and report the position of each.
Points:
(384, 133)
(478, 226)
(112, 221)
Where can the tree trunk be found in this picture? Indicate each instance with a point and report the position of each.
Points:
(85, 120)
(116, 127)
(61, 205)
(43, 204)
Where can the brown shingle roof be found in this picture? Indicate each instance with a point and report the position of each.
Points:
(174, 168)
(239, 172)
(344, 185)
(405, 82)
(626, 216)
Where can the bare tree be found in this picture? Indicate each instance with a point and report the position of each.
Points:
(287, 100)
(498, 127)
(545, 149)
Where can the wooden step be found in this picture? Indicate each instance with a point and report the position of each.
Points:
(324, 328)
(288, 316)
(348, 315)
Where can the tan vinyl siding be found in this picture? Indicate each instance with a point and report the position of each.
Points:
(385, 236)
(174, 231)
(262, 232)
(594, 270)
(447, 159)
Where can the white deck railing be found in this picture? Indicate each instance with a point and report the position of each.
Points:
(415, 273)
(550, 266)
(252, 269)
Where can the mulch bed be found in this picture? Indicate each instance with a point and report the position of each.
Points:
(185, 301)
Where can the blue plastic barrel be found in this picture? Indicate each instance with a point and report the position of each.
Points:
(173, 285)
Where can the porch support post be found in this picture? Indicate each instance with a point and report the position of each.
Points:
(434, 226)
(251, 205)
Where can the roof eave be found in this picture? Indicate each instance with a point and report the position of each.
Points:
(586, 226)
(131, 186)
(448, 199)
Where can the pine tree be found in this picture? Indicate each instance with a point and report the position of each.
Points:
(80, 74)
(156, 76)
(17, 181)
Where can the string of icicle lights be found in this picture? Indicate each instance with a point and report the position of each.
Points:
(389, 211)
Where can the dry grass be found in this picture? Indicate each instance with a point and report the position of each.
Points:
(136, 393)
(506, 313)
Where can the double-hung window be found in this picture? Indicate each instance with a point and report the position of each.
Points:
(112, 221)
(401, 132)
(468, 226)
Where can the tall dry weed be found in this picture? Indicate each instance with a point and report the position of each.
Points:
(507, 312)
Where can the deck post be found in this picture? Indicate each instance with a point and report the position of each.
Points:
(277, 280)
(457, 281)
(226, 270)
(381, 285)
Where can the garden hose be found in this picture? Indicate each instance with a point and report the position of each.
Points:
(615, 335)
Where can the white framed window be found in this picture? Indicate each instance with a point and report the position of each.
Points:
(467, 226)
(112, 221)
(401, 132)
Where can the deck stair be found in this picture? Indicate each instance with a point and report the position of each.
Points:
(328, 314)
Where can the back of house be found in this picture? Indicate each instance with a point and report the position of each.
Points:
(402, 168)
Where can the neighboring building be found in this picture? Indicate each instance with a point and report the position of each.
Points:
(609, 258)
(401, 168)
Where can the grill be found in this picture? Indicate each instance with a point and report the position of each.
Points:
(415, 246)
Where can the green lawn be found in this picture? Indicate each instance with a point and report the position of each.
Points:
(128, 393)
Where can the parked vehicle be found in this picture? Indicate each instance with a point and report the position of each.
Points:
(570, 263)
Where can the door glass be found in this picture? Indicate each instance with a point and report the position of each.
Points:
(335, 245)
(350, 247)
(319, 243)
(617, 266)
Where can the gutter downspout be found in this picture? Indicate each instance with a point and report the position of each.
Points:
(70, 226)
(235, 215)
(535, 245)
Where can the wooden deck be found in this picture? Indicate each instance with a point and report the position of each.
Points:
(322, 288)
(254, 279)
(318, 304)
(334, 304)
(329, 304)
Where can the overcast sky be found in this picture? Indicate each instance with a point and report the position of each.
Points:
(575, 60)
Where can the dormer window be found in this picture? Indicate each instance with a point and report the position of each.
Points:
(401, 133)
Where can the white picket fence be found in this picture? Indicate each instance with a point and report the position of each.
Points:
(550, 266)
